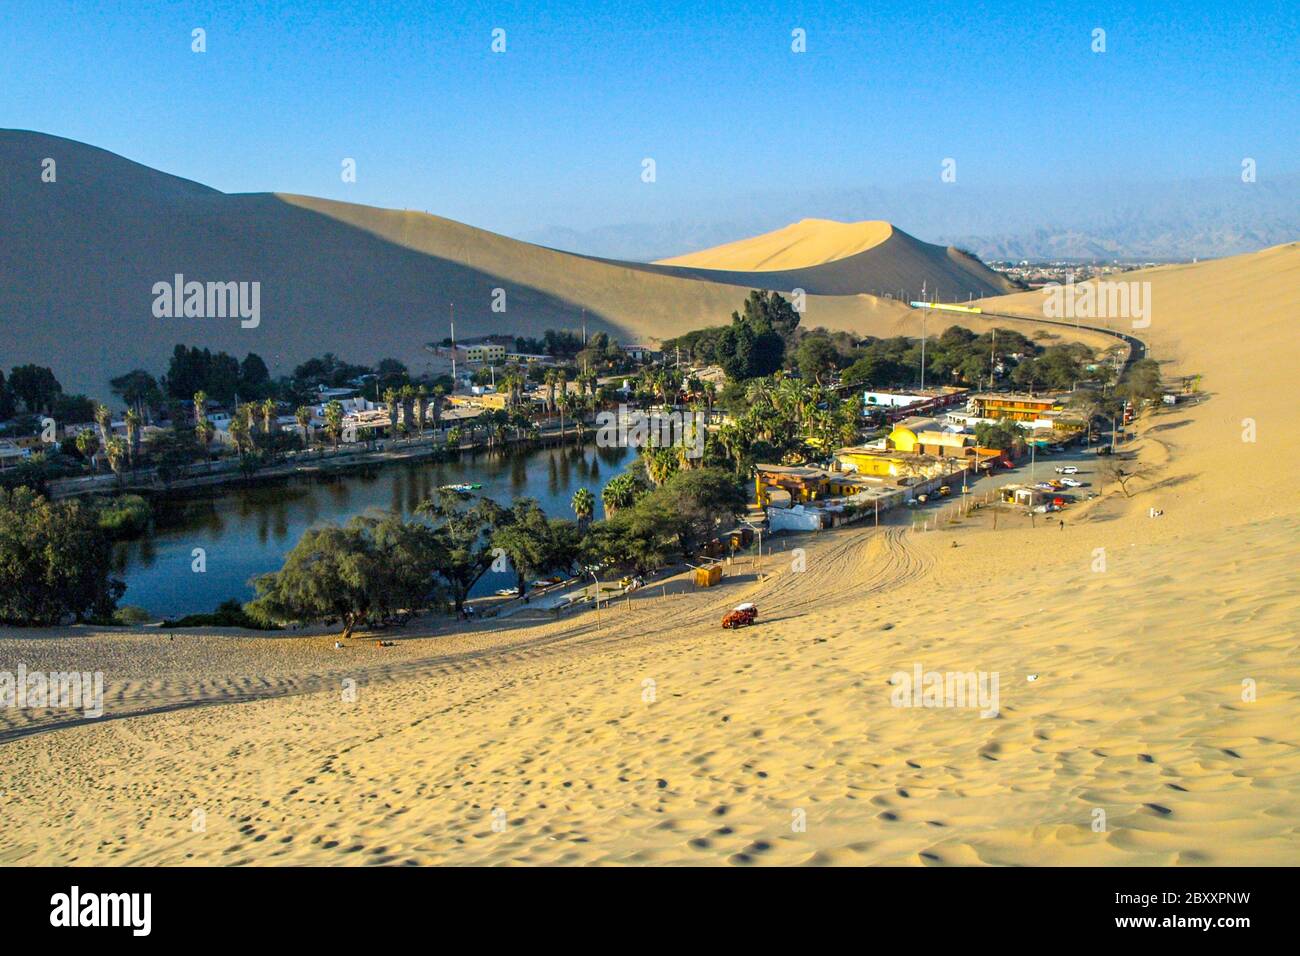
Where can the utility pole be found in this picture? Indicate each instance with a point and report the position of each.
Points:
(453, 346)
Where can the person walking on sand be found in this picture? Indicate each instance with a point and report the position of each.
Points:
(1062, 525)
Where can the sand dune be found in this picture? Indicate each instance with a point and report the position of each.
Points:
(79, 258)
(836, 258)
(809, 242)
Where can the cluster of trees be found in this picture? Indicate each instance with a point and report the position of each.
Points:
(961, 357)
(753, 345)
(381, 568)
(55, 561)
(220, 375)
(782, 419)
(32, 391)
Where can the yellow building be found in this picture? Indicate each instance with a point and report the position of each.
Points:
(1019, 408)
(492, 400)
(486, 352)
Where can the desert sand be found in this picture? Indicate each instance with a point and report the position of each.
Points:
(543, 742)
(809, 242)
(81, 255)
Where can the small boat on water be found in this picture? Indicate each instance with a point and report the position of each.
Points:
(464, 487)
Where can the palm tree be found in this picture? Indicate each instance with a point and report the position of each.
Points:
(104, 419)
(435, 406)
(390, 399)
(584, 505)
(550, 379)
(621, 492)
(303, 414)
(117, 452)
(334, 421)
(563, 402)
(88, 445)
(421, 407)
(407, 395)
(240, 431)
(268, 414)
(200, 414)
(205, 431)
(133, 424)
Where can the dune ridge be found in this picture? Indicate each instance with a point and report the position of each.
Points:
(808, 242)
(80, 257)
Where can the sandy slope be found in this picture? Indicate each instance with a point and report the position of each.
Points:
(79, 258)
(809, 242)
(1137, 709)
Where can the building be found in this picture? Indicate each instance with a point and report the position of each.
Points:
(489, 400)
(872, 462)
(1010, 405)
(640, 353)
(12, 454)
(798, 482)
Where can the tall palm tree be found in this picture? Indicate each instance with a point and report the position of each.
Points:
(390, 399)
(133, 425)
(421, 407)
(584, 505)
(562, 401)
(88, 445)
(303, 414)
(104, 419)
(240, 432)
(205, 431)
(268, 414)
(550, 379)
(334, 421)
(408, 407)
(117, 452)
(435, 406)
(200, 406)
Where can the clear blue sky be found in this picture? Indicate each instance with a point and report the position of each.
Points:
(553, 131)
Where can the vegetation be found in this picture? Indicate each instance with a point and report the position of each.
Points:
(372, 568)
(125, 516)
(55, 562)
(228, 614)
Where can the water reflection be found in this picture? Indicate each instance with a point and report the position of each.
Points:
(246, 531)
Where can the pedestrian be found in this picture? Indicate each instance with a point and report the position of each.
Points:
(1062, 525)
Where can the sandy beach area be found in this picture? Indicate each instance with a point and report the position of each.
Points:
(647, 734)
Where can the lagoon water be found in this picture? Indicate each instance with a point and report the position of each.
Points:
(246, 531)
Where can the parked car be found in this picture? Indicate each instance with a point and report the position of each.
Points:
(1071, 483)
(1067, 470)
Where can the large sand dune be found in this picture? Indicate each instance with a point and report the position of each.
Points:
(843, 258)
(79, 258)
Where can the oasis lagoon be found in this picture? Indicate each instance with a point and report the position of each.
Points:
(247, 530)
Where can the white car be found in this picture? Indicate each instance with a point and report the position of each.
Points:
(1071, 483)
(1068, 470)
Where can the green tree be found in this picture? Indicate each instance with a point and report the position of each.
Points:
(464, 525)
(55, 561)
(533, 542)
(376, 567)
(622, 491)
(584, 506)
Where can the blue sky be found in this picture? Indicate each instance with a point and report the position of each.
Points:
(553, 131)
